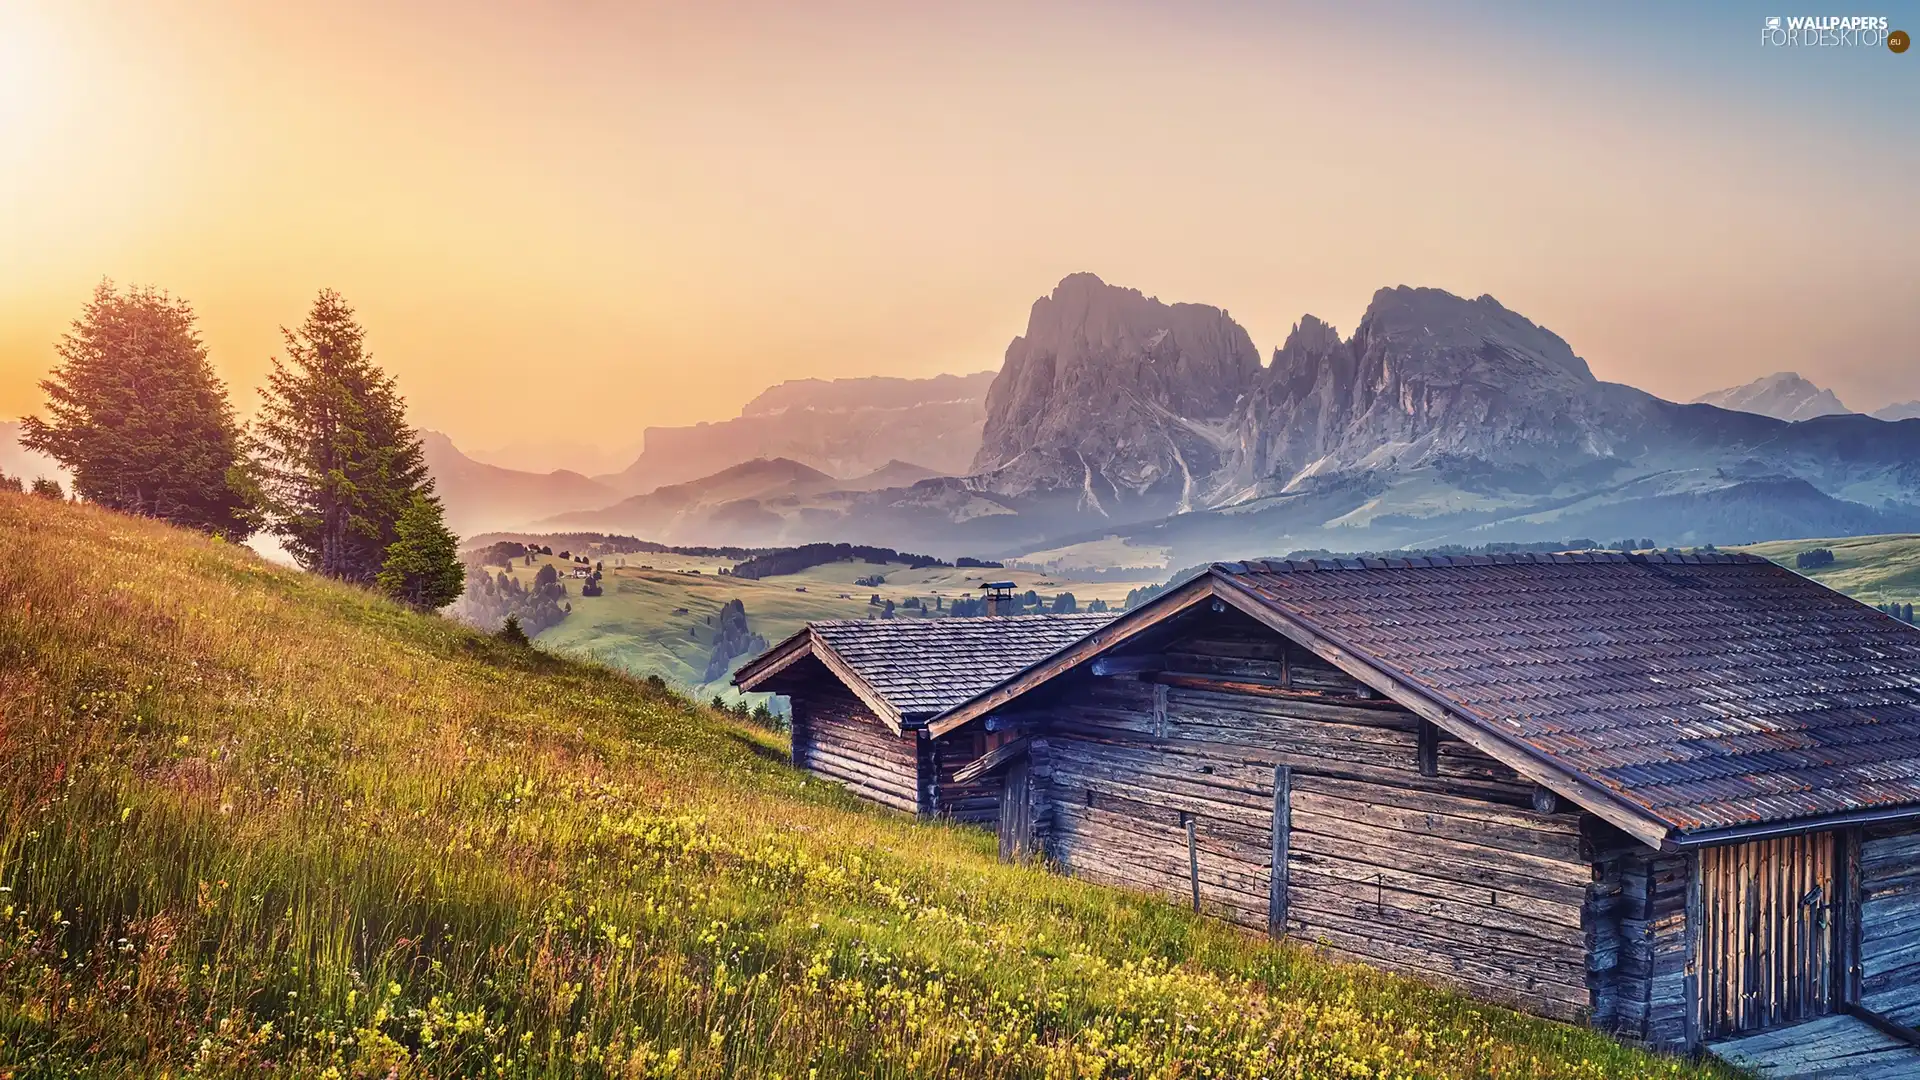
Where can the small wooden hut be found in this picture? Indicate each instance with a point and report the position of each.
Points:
(863, 689)
(1677, 797)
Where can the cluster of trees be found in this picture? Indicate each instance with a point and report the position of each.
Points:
(491, 600)
(331, 467)
(1903, 612)
(616, 544)
(807, 556)
(42, 486)
(1814, 559)
(1027, 603)
(731, 638)
(759, 715)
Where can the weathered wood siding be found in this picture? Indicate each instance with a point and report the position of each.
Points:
(1764, 943)
(1637, 956)
(1889, 916)
(1450, 876)
(978, 802)
(837, 737)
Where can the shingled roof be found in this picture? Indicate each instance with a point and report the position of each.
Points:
(916, 668)
(1703, 693)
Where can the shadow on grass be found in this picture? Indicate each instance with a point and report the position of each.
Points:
(761, 750)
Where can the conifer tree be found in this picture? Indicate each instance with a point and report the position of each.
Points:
(422, 569)
(136, 413)
(340, 464)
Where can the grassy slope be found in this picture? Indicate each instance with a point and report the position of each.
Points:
(632, 626)
(253, 823)
(1871, 569)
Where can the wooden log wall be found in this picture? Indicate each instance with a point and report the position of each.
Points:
(837, 737)
(1637, 944)
(1450, 876)
(977, 802)
(1889, 917)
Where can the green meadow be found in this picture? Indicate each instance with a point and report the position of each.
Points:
(1871, 569)
(253, 823)
(657, 621)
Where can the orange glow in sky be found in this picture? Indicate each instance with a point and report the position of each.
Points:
(570, 222)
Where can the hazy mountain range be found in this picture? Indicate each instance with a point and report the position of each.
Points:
(842, 427)
(1121, 423)
(1438, 420)
(1787, 395)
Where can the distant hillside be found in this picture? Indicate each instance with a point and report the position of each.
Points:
(1903, 410)
(842, 427)
(723, 508)
(481, 497)
(1871, 569)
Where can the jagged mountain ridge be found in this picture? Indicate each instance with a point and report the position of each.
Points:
(1783, 395)
(1440, 419)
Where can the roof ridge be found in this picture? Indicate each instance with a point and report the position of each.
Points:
(1516, 558)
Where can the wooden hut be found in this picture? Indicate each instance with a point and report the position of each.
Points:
(1677, 797)
(862, 690)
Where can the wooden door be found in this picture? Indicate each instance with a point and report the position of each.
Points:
(1016, 813)
(1767, 933)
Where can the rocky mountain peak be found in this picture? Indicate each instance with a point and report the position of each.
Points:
(1448, 325)
(1109, 395)
(1783, 395)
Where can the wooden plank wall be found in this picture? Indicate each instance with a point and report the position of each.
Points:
(1764, 952)
(1453, 876)
(1890, 923)
(837, 737)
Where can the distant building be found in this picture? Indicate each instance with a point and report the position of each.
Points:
(862, 691)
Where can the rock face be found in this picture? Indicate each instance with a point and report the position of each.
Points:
(1114, 399)
(1901, 410)
(1784, 395)
(1428, 378)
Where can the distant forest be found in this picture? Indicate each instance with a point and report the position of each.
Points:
(806, 556)
(613, 544)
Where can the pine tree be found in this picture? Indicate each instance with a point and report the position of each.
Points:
(48, 489)
(511, 632)
(341, 465)
(422, 569)
(137, 414)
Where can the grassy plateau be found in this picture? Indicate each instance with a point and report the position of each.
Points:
(253, 823)
(1871, 569)
(655, 620)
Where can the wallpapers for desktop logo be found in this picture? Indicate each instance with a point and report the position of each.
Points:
(1843, 31)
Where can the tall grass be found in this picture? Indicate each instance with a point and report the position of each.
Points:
(252, 823)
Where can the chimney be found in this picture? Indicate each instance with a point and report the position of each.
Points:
(999, 597)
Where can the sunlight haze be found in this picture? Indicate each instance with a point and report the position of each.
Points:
(564, 224)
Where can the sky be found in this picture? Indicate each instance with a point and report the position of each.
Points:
(563, 224)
